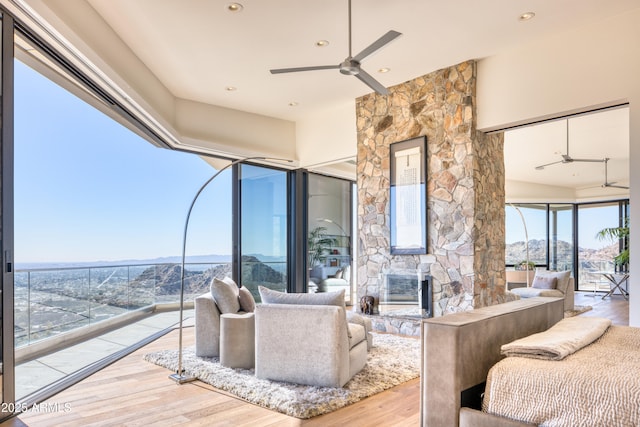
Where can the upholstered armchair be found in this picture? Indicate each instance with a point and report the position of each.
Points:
(306, 339)
(224, 297)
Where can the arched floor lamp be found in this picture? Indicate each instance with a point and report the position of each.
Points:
(179, 377)
(526, 243)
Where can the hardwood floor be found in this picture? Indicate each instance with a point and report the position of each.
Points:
(132, 392)
(614, 307)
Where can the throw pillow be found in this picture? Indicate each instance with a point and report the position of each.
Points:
(247, 303)
(269, 296)
(545, 282)
(338, 274)
(225, 293)
(561, 276)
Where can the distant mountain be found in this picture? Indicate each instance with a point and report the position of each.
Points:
(191, 259)
(514, 252)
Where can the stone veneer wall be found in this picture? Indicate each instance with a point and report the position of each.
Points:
(465, 189)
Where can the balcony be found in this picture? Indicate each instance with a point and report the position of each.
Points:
(69, 318)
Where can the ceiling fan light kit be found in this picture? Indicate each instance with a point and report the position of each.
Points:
(351, 65)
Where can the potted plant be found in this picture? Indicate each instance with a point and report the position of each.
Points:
(525, 265)
(318, 245)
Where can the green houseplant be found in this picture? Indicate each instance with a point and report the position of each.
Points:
(618, 233)
(318, 245)
(525, 265)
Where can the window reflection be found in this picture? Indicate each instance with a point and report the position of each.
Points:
(263, 216)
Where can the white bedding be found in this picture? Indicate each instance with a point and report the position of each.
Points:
(598, 385)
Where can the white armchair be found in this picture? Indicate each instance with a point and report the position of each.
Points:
(306, 339)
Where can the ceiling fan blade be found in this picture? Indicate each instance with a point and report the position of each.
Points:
(540, 167)
(387, 38)
(295, 70)
(612, 184)
(588, 160)
(371, 82)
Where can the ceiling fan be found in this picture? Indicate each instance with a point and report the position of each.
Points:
(566, 158)
(351, 65)
(608, 184)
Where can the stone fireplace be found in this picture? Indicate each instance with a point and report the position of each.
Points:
(399, 289)
(465, 190)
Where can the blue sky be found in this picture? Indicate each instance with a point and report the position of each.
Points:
(88, 189)
(592, 218)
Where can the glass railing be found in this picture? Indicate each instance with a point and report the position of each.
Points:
(51, 301)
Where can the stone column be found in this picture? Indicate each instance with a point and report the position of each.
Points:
(465, 189)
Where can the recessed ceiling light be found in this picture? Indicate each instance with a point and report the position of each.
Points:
(235, 7)
(322, 43)
(384, 70)
(230, 88)
(293, 104)
(526, 16)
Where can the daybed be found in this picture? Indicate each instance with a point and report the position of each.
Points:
(581, 371)
(550, 284)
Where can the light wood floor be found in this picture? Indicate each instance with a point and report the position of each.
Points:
(132, 392)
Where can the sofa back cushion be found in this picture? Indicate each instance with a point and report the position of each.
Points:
(225, 293)
(545, 282)
(247, 303)
(562, 278)
(269, 296)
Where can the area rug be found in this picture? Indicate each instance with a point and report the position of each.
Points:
(577, 309)
(392, 361)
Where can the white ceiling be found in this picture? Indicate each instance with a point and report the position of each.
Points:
(598, 135)
(197, 48)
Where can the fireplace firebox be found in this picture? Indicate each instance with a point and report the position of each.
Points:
(408, 288)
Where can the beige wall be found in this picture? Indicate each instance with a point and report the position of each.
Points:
(593, 66)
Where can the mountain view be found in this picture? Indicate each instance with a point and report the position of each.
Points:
(591, 259)
(54, 300)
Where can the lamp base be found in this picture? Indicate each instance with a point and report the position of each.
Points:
(181, 378)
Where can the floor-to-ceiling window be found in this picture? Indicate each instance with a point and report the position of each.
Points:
(563, 236)
(99, 219)
(526, 234)
(263, 228)
(7, 394)
(561, 247)
(330, 247)
(595, 254)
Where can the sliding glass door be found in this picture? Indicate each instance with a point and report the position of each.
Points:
(7, 391)
(596, 255)
(263, 228)
(330, 243)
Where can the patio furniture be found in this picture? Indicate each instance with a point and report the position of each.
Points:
(616, 281)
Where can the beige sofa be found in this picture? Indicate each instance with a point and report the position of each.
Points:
(306, 339)
(565, 290)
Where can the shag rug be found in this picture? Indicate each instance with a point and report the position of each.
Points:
(577, 309)
(392, 361)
